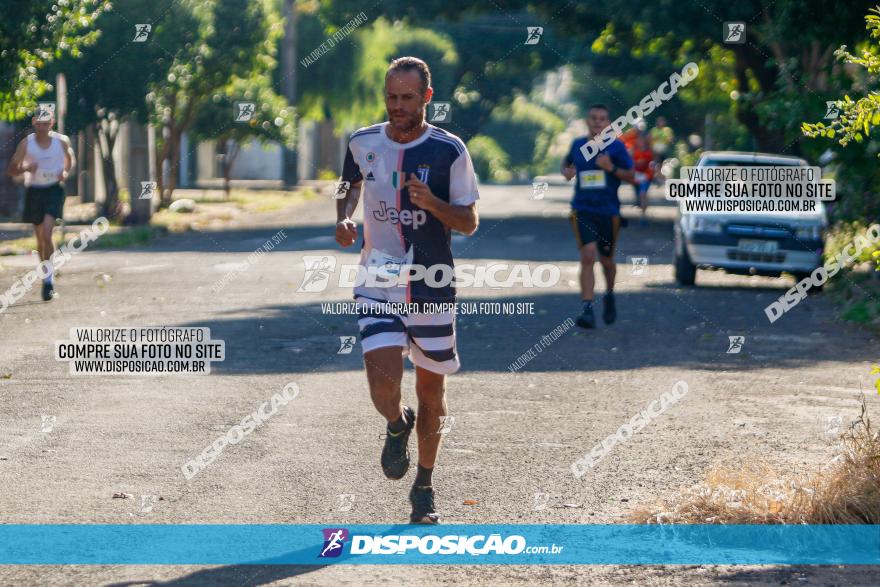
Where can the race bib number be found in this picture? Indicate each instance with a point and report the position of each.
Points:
(593, 179)
(46, 175)
(384, 265)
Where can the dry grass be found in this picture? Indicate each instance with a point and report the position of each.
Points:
(846, 491)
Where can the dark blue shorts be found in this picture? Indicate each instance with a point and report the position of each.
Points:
(595, 228)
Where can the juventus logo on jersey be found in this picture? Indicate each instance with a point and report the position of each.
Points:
(422, 172)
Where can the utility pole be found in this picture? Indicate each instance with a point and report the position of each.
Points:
(288, 64)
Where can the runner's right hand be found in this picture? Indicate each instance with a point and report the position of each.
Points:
(569, 171)
(346, 232)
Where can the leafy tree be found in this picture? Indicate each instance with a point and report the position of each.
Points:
(273, 119)
(858, 173)
(491, 162)
(855, 117)
(33, 33)
(109, 81)
(478, 59)
(787, 54)
(214, 42)
(525, 131)
(346, 84)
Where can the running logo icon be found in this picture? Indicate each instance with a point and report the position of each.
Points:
(831, 110)
(439, 112)
(639, 265)
(147, 503)
(541, 500)
(47, 423)
(539, 188)
(736, 344)
(342, 188)
(446, 424)
(148, 188)
(346, 501)
(318, 270)
(141, 32)
(534, 35)
(45, 111)
(346, 345)
(734, 33)
(244, 111)
(832, 427)
(334, 540)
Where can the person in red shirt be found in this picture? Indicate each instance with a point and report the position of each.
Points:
(643, 165)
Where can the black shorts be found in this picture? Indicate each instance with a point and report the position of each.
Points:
(39, 201)
(595, 228)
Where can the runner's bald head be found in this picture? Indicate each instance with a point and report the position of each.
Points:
(405, 64)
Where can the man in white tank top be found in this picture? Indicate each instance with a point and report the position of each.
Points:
(45, 158)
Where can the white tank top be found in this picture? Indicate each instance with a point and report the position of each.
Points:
(50, 161)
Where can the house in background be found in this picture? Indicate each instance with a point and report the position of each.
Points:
(319, 147)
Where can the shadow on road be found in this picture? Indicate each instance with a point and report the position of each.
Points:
(233, 575)
(816, 574)
(524, 238)
(661, 326)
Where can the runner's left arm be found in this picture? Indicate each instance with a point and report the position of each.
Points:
(69, 158)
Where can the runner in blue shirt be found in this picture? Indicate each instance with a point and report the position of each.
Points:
(595, 210)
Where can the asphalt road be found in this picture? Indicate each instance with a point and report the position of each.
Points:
(515, 435)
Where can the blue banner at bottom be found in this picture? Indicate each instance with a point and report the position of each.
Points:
(270, 544)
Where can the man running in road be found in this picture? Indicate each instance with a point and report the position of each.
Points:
(418, 185)
(45, 158)
(595, 214)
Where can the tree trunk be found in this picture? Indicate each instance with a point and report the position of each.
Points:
(161, 155)
(747, 60)
(107, 133)
(232, 149)
(174, 161)
(288, 86)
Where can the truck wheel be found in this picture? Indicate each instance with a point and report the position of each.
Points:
(685, 271)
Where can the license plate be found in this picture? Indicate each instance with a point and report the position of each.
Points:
(756, 246)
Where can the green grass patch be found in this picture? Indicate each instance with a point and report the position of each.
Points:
(128, 236)
(857, 298)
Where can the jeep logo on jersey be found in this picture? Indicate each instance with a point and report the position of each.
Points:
(415, 218)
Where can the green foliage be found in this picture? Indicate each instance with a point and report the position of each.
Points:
(478, 61)
(346, 84)
(857, 117)
(525, 131)
(209, 44)
(33, 33)
(273, 120)
(843, 234)
(96, 90)
(491, 163)
(213, 42)
(857, 175)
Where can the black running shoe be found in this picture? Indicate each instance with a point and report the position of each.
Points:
(586, 320)
(395, 454)
(422, 500)
(609, 311)
(48, 290)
